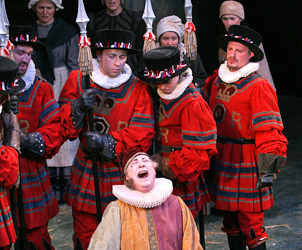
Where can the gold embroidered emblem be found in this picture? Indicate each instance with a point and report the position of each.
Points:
(103, 104)
(226, 91)
(236, 117)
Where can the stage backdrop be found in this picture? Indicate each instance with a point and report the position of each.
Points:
(276, 21)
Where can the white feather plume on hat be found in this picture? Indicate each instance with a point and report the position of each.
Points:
(57, 3)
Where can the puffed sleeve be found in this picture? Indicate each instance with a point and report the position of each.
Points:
(107, 236)
(50, 123)
(266, 120)
(141, 128)
(199, 135)
(9, 166)
(69, 93)
(206, 89)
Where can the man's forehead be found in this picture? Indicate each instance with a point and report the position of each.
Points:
(237, 44)
(115, 52)
(26, 48)
(142, 156)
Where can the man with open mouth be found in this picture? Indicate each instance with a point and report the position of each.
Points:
(146, 214)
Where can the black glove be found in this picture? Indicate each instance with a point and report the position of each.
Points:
(32, 142)
(80, 106)
(265, 180)
(102, 143)
(94, 141)
(12, 105)
(11, 131)
(86, 100)
(269, 165)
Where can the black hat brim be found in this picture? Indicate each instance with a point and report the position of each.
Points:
(18, 88)
(222, 42)
(130, 51)
(35, 45)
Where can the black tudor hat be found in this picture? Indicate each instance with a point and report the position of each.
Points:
(244, 35)
(162, 64)
(24, 35)
(8, 82)
(115, 39)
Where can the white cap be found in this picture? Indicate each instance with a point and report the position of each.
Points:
(57, 3)
(171, 23)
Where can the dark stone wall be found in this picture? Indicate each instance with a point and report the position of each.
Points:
(276, 21)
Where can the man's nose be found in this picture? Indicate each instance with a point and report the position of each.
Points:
(117, 61)
(161, 86)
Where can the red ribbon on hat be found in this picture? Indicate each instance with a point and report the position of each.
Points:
(22, 38)
(84, 41)
(189, 27)
(149, 36)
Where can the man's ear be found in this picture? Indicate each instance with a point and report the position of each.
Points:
(251, 55)
(98, 55)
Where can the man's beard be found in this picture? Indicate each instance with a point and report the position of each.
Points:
(130, 184)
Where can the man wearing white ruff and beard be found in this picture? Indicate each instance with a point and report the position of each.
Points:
(40, 138)
(146, 214)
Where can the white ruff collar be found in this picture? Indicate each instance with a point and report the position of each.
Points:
(108, 82)
(184, 81)
(29, 76)
(161, 191)
(228, 76)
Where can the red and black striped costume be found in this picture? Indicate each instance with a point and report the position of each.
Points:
(9, 168)
(39, 112)
(187, 135)
(247, 108)
(126, 113)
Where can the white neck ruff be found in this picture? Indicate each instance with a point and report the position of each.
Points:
(108, 82)
(184, 81)
(29, 76)
(159, 194)
(228, 76)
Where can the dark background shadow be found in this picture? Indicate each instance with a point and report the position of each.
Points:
(277, 22)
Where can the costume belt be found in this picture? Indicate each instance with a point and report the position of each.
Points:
(168, 149)
(223, 139)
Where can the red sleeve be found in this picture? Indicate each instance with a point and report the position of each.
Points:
(266, 121)
(199, 142)
(9, 166)
(206, 89)
(69, 93)
(141, 129)
(50, 122)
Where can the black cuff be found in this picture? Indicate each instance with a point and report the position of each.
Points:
(35, 143)
(109, 147)
(77, 115)
(270, 163)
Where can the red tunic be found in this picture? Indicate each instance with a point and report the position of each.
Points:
(188, 136)
(126, 113)
(9, 168)
(39, 112)
(248, 109)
